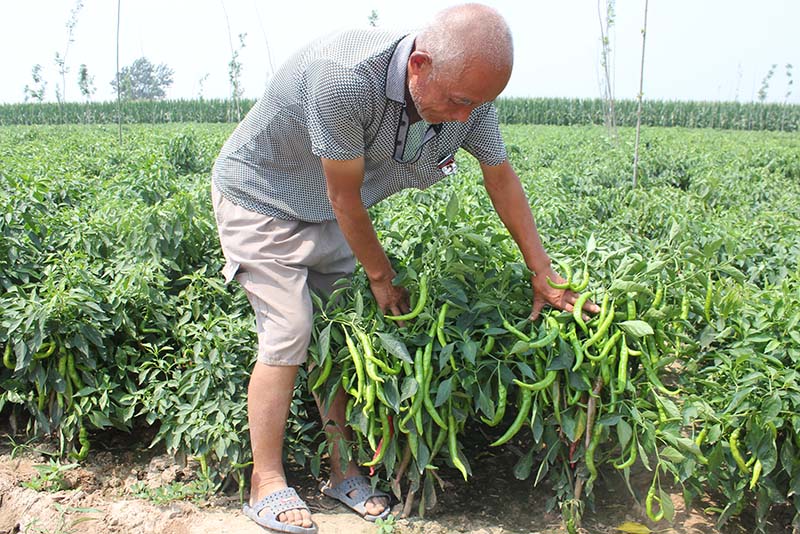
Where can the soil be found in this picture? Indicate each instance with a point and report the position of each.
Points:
(104, 495)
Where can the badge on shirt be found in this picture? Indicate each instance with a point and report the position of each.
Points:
(448, 165)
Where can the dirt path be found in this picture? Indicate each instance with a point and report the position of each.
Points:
(118, 492)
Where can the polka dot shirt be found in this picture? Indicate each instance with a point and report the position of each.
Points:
(342, 97)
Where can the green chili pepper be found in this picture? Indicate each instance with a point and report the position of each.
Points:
(589, 456)
(7, 361)
(567, 277)
(733, 442)
(522, 416)
(541, 384)
(622, 369)
(584, 283)
(521, 335)
(453, 446)
(757, 467)
(440, 325)
(550, 337)
(46, 353)
(357, 363)
(385, 437)
(631, 307)
(649, 502)
(632, 458)
(420, 305)
(601, 330)
(577, 311)
(324, 373)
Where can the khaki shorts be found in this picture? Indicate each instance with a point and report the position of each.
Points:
(277, 262)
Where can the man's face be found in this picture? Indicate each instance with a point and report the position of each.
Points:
(451, 98)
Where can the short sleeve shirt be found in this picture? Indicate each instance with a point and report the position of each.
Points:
(342, 97)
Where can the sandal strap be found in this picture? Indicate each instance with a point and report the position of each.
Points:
(362, 488)
(281, 501)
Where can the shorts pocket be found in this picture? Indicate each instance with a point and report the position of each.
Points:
(230, 270)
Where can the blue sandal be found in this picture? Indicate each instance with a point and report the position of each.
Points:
(275, 504)
(363, 492)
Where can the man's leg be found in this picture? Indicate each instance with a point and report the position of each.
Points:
(269, 396)
(337, 431)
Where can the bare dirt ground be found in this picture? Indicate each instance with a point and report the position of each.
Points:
(105, 495)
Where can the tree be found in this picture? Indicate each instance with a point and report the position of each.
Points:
(235, 77)
(61, 61)
(85, 82)
(373, 19)
(762, 92)
(37, 91)
(143, 81)
(606, 24)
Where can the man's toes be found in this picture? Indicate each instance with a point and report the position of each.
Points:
(305, 519)
(290, 517)
(297, 517)
(376, 505)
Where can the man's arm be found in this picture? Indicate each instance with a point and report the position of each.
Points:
(344, 179)
(511, 204)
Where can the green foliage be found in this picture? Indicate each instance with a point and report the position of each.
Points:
(114, 313)
(50, 476)
(108, 256)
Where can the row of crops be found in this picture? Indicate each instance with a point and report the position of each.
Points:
(114, 315)
(545, 111)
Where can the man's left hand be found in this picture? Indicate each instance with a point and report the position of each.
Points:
(562, 299)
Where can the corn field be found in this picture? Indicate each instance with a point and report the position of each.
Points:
(545, 111)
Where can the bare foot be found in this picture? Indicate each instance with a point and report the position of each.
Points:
(267, 485)
(374, 505)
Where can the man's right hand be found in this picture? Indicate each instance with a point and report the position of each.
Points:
(391, 299)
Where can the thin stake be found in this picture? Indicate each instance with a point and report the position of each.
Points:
(119, 97)
(639, 111)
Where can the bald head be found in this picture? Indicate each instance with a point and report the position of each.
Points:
(464, 35)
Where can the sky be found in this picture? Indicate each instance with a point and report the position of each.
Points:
(695, 49)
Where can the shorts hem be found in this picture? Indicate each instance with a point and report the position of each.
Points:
(273, 362)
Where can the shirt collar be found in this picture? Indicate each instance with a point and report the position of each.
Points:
(398, 65)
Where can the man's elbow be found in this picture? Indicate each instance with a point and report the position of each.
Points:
(343, 201)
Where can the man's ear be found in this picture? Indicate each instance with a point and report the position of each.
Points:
(419, 62)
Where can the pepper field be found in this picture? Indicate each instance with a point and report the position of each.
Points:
(113, 314)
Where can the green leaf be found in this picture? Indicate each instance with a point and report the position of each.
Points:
(423, 456)
(451, 212)
(636, 328)
(445, 353)
(624, 433)
(629, 527)
(391, 393)
(469, 349)
(443, 392)
(672, 454)
(324, 344)
(522, 470)
(568, 424)
(591, 245)
(666, 505)
(625, 286)
(409, 388)
(395, 347)
(565, 357)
